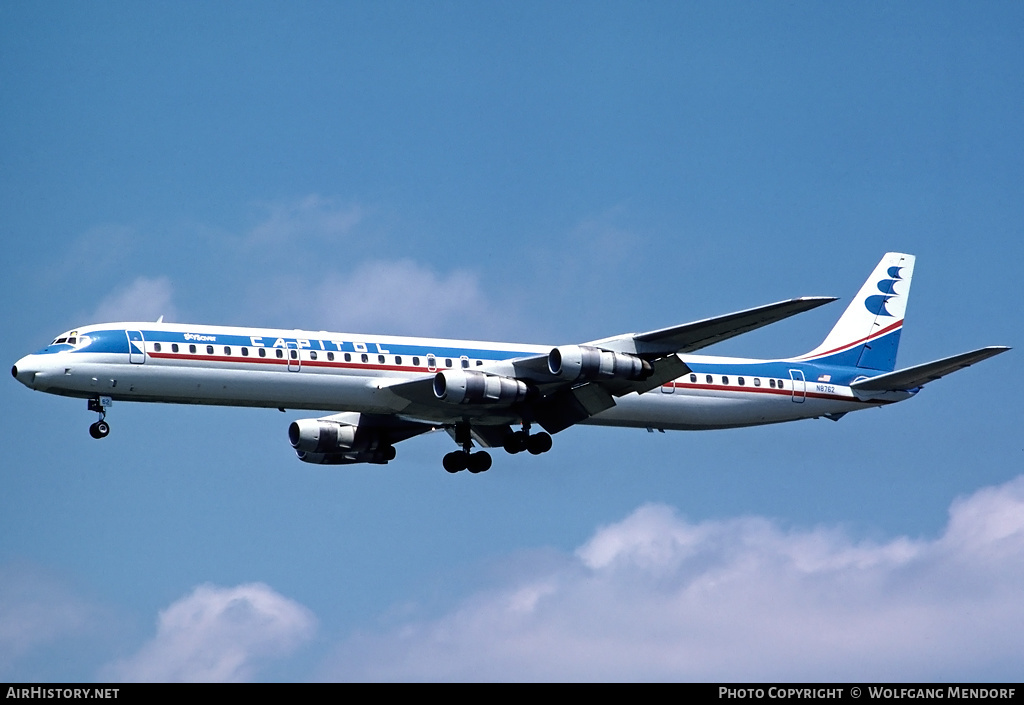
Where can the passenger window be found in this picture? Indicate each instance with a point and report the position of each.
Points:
(780, 384)
(757, 381)
(280, 353)
(380, 359)
(191, 348)
(365, 357)
(431, 362)
(295, 354)
(479, 362)
(448, 362)
(398, 359)
(227, 350)
(416, 362)
(209, 350)
(725, 380)
(156, 347)
(174, 347)
(245, 352)
(312, 354)
(465, 363)
(263, 352)
(741, 381)
(330, 356)
(348, 357)
(771, 383)
(710, 379)
(693, 379)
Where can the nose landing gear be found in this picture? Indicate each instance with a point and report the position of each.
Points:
(101, 428)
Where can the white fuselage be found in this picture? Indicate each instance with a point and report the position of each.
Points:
(317, 370)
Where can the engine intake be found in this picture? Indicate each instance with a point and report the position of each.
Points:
(472, 387)
(581, 362)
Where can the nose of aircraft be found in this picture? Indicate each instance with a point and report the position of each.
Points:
(24, 371)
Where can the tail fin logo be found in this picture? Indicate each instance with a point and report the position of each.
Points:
(876, 304)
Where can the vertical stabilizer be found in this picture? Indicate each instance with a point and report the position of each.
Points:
(868, 333)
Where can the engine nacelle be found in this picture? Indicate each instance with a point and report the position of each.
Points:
(379, 456)
(472, 387)
(330, 442)
(320, 436)
(581, 362)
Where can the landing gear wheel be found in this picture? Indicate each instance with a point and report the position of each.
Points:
(101, 428)
(516, 442)
(479, 462)
(455, 461)
(539, 443)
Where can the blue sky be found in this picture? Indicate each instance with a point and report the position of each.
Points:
(533, 172)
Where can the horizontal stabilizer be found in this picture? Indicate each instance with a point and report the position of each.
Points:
(700, 334)
(919, 375)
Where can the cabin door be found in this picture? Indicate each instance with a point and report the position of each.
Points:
(136, 347)
(799, 385)
(294, 358)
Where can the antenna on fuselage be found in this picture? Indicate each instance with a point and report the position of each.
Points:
(160, 320)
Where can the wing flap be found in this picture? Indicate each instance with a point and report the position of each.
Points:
(570, 406)
(919, 375)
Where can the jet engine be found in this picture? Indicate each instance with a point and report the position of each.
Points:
(472, 387)
(379, 457)
(329, 442)
(580, 362)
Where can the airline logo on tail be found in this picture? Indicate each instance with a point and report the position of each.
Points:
(862, 337)
(876, 304)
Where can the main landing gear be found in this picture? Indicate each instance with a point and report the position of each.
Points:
(480, 461)
(519, 441)
(101, 428)
(464, 459)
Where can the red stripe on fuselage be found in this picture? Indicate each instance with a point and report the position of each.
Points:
(847, 346)
(759, 390)
(295, 363)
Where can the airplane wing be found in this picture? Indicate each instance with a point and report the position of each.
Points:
(700, 334)
(557, 399)
(919, 375)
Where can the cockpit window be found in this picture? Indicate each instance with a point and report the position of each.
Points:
(72, 341)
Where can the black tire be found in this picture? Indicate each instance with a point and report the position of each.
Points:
(455, 461)
(516, 442)
(100, 429)
(539, 443)
(479, 462)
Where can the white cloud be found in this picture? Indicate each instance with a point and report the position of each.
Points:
(399, 297)
(145, 299)
(219, 634)
(403, 296)
(657, 597)
(310, 216)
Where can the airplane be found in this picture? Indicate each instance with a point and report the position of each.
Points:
(386, 389)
